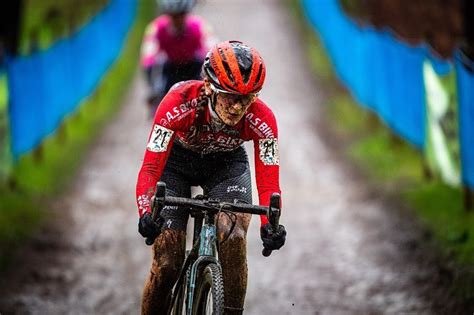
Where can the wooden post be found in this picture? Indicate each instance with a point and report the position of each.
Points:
(373, 122)
(467, 199)
(10, 16)
(468, 50)
(468, 9)
(61, 134)
(427, 172)
(395, 140)
(12, 183)
(38, 153)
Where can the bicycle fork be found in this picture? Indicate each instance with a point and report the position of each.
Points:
(207, 254)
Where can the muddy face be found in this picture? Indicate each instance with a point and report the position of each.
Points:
(231, 107)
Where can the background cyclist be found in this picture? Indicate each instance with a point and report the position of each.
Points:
(196, 140)
(174, 46)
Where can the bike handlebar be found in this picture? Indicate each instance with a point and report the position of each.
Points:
(213, 205)
(272, 211)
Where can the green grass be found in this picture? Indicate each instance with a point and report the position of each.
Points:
(3, 91)
(396, 167)
(5, 154)
(19, 217)
(441, 208)
(44, 173)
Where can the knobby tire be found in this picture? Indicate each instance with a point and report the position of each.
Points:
(209, 297)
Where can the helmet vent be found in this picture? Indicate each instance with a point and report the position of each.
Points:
(226, 66)
(260, 70)
(244, 60)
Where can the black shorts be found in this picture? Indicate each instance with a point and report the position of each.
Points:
(223, 175)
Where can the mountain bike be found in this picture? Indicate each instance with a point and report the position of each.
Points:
(200, 287)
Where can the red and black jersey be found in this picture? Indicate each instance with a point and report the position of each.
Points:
(176, 120)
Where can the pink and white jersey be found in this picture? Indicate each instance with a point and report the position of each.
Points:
(162, 38)
(175, 118)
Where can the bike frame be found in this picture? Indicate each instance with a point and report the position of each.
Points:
(207, 254)
(204, 250)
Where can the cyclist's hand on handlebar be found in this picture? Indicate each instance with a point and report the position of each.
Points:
(273, 239)
(149, 228)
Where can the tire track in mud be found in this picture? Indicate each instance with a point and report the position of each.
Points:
(347, 251)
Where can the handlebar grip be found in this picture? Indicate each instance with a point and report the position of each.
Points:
(149, 241)
(273, 215)
(266, 252)
(160, 193)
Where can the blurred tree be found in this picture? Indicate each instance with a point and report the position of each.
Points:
(10, 25)
(438, 22)
(468, 45)
(9, 35)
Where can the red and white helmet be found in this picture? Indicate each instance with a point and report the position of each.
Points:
(233, 67)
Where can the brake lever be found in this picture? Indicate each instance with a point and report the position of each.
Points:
(274, 212)
(156, 206)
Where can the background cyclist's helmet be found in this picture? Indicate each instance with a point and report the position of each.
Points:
(234, 67)
(176, 6)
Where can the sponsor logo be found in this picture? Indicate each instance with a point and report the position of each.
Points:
(143, 202)
(260, 127)
(231, 132)
(268, 151)
(210, 142)
(159, 140)
(181, 111)
(237, 188)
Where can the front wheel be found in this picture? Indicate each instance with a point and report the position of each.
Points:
(179, 305)
(209, 297)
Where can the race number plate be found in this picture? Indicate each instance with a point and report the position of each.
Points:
(269, 154)
(159, 140)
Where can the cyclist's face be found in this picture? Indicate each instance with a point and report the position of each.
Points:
(178, 20)
(232, 107)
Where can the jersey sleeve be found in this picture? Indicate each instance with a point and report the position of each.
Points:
(171, 116)
(150, 46)
(264, 133)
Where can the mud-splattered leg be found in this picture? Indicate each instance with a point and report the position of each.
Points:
(233, 257)
(168, 255)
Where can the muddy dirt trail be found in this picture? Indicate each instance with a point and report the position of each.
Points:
(347, 251)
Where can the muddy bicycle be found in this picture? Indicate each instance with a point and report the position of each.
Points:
(200, 288)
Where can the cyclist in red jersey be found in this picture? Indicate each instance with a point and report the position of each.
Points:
(174, 46)
(196, 140)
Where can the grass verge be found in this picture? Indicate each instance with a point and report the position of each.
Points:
(397, 167)
(44, 173)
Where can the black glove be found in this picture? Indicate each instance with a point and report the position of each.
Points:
(273, 239)
(149, 228)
